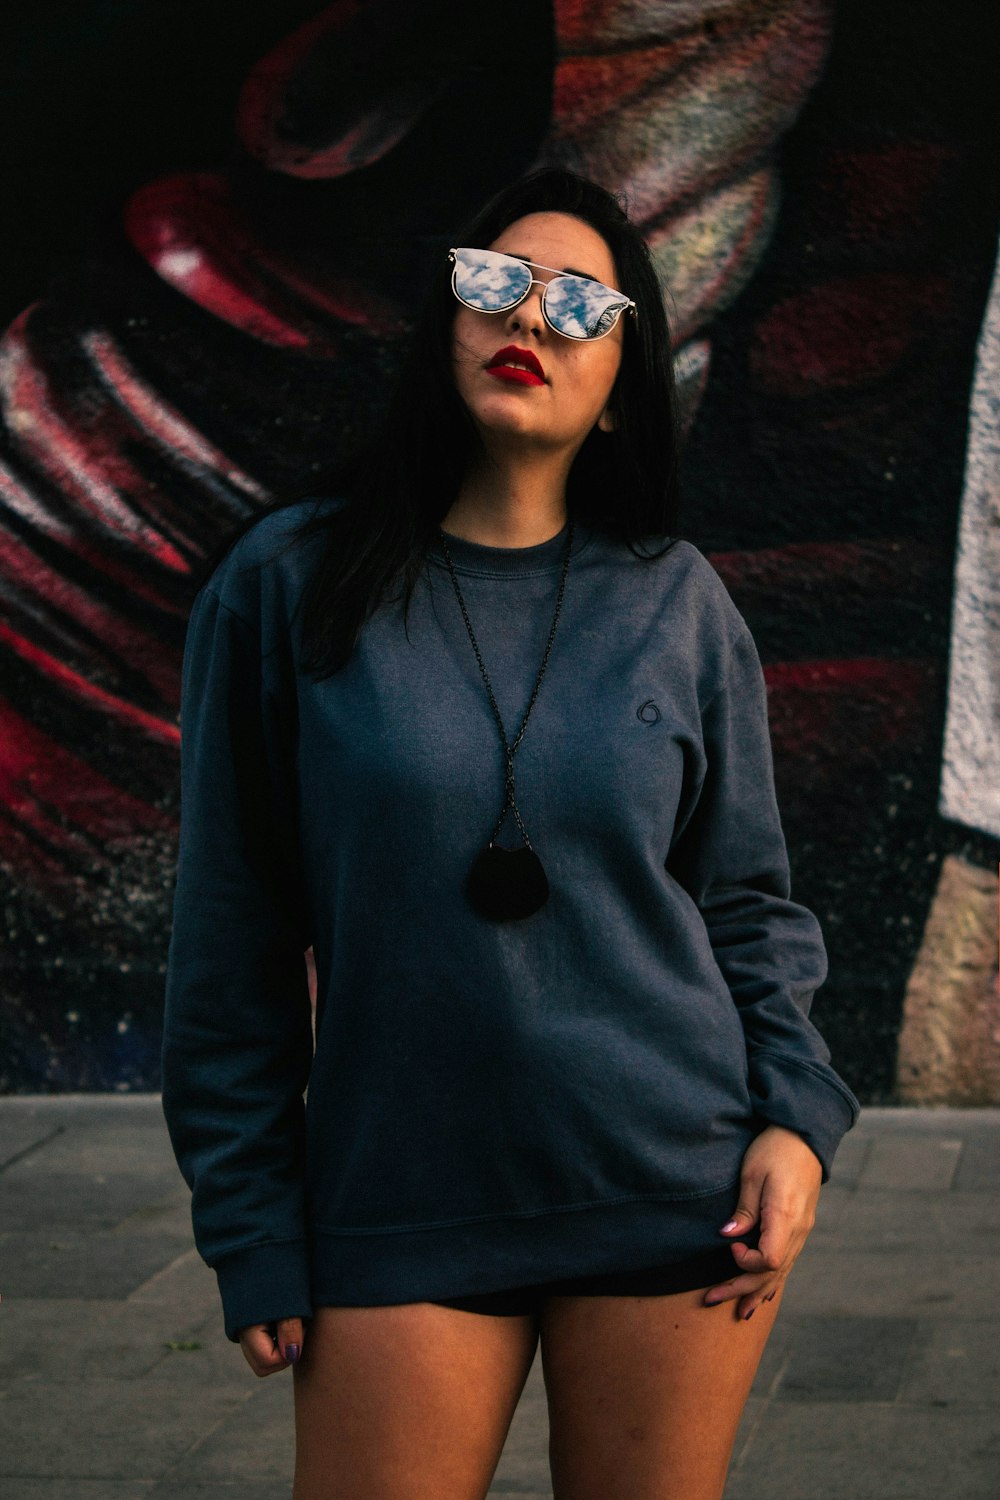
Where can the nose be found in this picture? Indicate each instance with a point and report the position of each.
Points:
(527, 315)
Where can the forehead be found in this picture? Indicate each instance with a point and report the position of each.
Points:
(556, 239)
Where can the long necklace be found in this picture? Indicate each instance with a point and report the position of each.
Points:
(504, 884)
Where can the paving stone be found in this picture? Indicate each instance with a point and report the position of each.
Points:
(79, 1489)
(185, 1281)
(839, 1451)
(96, 1147)
(117, 1115)
(169, 1216)
(919, 1162)
(979, 1167)
(893, 1220)
(63, 1261)
(524, 1463)
(904, 1240)
(862, 1283)
(66, 1339)
(21, 1133)
(883, 1120)
(216, 1360)
(833, 1200)
(850, 1158)
(753, 1415)
(846, 1359)
(116, 1109)
(255, 1438)
(93, 1139)
(243, 1489)
(955, 1364)
(105, 1429)
(513, 1488)
(31, 1195)
(776, 1352)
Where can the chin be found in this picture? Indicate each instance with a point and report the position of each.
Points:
(502, 417)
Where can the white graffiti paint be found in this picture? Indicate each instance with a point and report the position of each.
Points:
(970, 780)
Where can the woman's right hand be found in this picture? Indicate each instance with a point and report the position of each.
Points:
(270, 1347)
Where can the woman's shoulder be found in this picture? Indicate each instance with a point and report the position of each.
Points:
(705, 579)
(276, 528)
(687, 583)
(268, 559)
(269, 536)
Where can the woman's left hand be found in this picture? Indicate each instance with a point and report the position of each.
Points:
(779, 1189)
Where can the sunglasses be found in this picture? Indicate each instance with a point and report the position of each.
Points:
(575, 306)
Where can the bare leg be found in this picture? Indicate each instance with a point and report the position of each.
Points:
(645, 1393)
(403, 1402)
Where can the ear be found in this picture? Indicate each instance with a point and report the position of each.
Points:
(606, 421)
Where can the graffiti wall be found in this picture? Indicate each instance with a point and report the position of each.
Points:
(228, 219)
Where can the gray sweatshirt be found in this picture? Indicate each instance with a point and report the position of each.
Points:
(488, 1103)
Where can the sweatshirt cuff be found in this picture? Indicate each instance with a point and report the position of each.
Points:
(804, 1097)
(263, 1283)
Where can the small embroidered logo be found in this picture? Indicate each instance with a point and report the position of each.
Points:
(648, 712)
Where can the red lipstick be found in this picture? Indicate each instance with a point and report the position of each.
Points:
(506, 359)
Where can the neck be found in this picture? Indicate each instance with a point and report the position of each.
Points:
(510, 504)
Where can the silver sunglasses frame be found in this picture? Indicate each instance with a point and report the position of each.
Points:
(629, 307)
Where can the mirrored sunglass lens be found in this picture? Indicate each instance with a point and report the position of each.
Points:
(582, 309)
(489, 280)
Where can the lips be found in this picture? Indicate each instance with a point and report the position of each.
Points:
(505, 362)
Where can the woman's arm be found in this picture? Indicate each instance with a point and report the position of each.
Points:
(237, 1041)
(732, 859)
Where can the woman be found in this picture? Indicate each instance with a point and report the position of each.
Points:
(507, 770)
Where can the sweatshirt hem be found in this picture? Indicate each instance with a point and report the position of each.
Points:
(524, 1213)
(348, 1268)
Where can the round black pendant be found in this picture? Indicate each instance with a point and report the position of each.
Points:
(505, 884)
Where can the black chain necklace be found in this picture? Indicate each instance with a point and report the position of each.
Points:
(507, 883)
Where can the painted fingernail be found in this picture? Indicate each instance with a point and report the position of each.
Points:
(291, 1353)
(770, 1297)
(749, 1315)
(727, 1227)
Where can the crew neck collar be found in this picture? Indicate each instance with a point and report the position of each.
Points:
(508, 562)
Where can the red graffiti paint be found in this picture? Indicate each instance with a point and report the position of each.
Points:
(881, 192)
(845, 331)
(198, 240)
(831, 719)
(77, 449)
(883, 568)
(56, 809)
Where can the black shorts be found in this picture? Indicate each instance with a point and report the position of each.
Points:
(693, 1273)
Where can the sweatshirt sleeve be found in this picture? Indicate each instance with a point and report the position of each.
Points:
(732, 859)
(237, 1039)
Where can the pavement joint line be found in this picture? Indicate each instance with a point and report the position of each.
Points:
(34, 1146)
(740, 1458)
(779, 1376)
(94, 1097)
(240, 1399)
(136, 1295)
(145, 1212)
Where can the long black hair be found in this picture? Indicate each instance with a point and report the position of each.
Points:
(405, 480)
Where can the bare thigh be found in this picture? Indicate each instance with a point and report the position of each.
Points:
(396, 1403)
(645, 1393)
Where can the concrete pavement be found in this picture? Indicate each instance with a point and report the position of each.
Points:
(882, 1378)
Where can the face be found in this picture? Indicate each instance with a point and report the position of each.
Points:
(578, 374)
